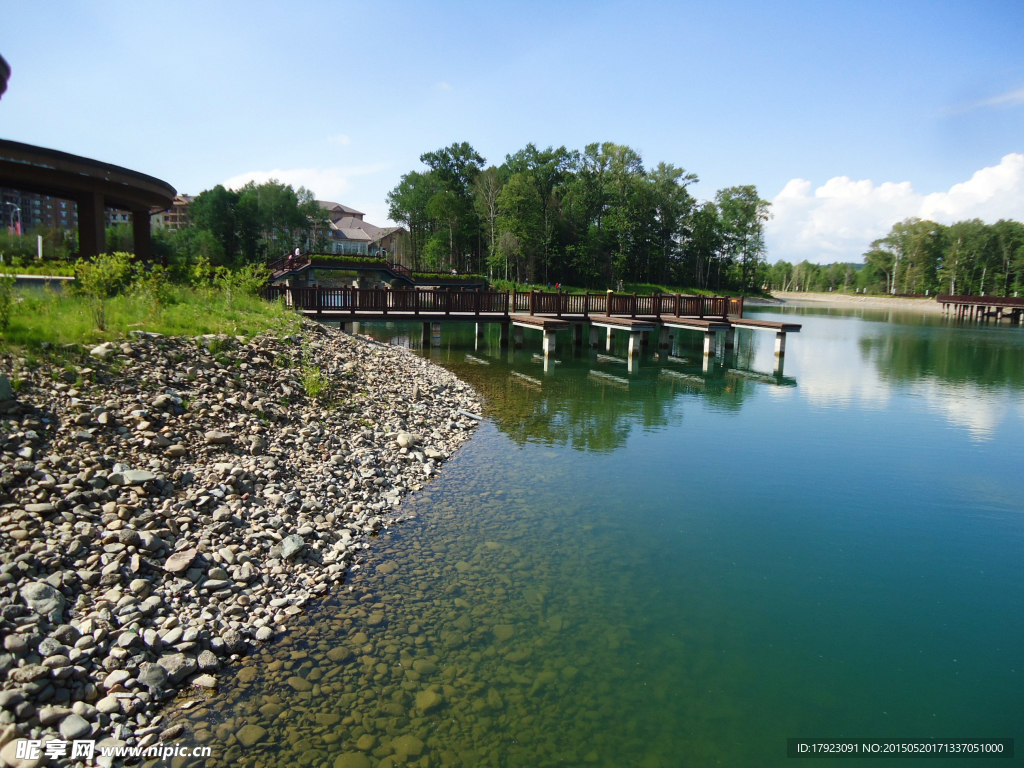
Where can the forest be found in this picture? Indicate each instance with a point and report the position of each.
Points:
(587, 218)
(920, 257)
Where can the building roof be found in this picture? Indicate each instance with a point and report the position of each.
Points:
(337, 209)
(352, 228)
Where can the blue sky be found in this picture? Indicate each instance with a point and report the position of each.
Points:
(344, 97)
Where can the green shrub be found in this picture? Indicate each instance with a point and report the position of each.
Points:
(6, 300)
(314, 382)
(102, 279)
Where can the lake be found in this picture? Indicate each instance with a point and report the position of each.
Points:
(668, 566)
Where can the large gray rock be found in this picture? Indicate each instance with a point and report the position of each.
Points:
(44, 600)
(102, 351)
(180, 561)
(217, 437)
(74, 727)
(178, 666)
(291, 546)
(151, 675)
(137, 476)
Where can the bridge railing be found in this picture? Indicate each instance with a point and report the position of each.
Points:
(384, 300)
(621, 304)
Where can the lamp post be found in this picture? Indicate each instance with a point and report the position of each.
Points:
(18, 209)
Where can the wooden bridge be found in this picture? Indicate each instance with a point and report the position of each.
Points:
(983, 308)
(548, 312)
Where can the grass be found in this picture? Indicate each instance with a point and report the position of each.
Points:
(183, 311)
(57, 268)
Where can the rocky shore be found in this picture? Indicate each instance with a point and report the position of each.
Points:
(166, 504)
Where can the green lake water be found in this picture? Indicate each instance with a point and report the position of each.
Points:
(677, 567)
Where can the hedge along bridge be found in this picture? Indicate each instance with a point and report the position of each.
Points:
(982, 308)
(638, 316)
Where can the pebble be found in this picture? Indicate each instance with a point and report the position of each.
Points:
(171, 513)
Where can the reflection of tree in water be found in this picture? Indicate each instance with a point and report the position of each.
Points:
(988, 360)
(572, 408)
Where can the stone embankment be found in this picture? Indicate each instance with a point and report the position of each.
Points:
(168, 503)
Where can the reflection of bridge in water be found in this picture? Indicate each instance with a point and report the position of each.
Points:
(592, 398)
(716, 318)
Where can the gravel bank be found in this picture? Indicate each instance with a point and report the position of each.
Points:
(846, 301)
(167, 503)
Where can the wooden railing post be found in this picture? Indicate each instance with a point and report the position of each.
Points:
(558, 309)
(586, 304)
(700, 305)
(531, 300)
(355, 299)
(678, 299)
(447, 301)
(476, 302)
(633, 308)
(608, 303)
(387, 297)
(656, 298)
(514, 297)
(741, 306)
(508, 297)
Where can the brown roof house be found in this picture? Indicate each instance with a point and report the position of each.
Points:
(351, 234)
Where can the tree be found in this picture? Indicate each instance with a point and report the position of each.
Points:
(743, 215)
(486, 188)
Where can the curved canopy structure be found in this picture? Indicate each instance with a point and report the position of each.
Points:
(92, 185)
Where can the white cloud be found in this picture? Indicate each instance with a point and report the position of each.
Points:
(442, 86)
(326, 183)
(340, 138)
(1008, 99)
(838, 220)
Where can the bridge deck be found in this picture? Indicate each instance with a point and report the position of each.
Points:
(695, 323)
(764, 325)
(611, 321)
(541, 322)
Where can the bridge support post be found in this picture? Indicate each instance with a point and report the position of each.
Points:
(609, 341)
(709, 343)
(549, 343)
(518, 337)
(577, 334)
(92, 224)
(480, 330)
(645, 338)
(663, 337)
(142, 236)
(345, 327)
(425, 336)
(595, 337)
(504, 335)
(730, 338)
(635, 342)
(435, 334)
(780, 344)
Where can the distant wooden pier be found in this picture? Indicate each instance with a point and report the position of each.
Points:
(983, 308)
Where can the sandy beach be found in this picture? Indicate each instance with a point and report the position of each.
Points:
(846, 301)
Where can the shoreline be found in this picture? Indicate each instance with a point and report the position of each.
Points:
(845, 301)
(168, 504)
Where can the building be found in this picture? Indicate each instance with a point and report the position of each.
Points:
(350, 233)
(27, 210)
(176, 216)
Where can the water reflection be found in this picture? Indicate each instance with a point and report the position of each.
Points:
(971, 375)
(591, 399)
(664, 566)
